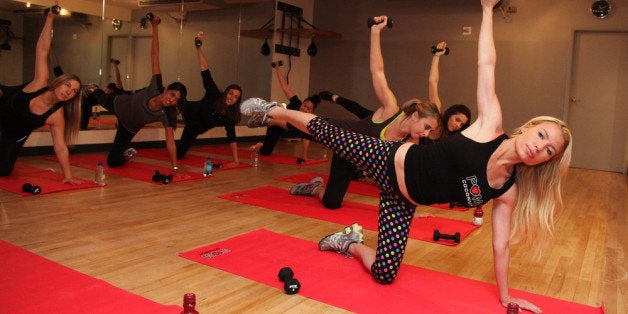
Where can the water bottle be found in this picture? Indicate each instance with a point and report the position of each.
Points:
(100, 177)
(324, 152)
(208, 167)
(478, 213)
(254, 158)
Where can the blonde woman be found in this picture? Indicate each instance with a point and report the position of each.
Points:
(39, 103)
(472, 167)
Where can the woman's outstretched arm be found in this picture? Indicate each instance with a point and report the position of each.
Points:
(385, 96)
(154, 50)
(42, 73)
(435, 76)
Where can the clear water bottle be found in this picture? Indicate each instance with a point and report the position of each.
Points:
(324, 152)
(208, 167)
(254, 158)
(100, 176)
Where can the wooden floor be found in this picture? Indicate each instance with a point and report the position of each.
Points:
(130, 232)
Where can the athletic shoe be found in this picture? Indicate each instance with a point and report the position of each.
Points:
(307, 189)
(325, 95)
(340, 241)
(129, 153)
(253, 106)
(257, 121)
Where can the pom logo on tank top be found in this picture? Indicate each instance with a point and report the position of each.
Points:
(472, 191)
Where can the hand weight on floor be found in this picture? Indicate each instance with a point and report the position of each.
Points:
(159, 177)
(371, 21)
(291, 284)
(438, 236)
(29, 188)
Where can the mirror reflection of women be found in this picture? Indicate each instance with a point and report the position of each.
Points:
(216, 108)
(38, 103)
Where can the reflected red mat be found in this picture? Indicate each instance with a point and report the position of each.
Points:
(132, 169)
(246, 154)
(356, 187)
(333, 279)
(189, 159)
(48, 180)
(32, 284)
(279, 199)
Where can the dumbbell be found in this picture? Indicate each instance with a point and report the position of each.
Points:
(216, 165)
(29, 188)
(55, 10)
(150, 16)
(291, 285)
(371, 21)
(114, 61)
(300, 160)
(159, 177)
(279, 63)
(438, 236)
(197, 41)
(435, 50)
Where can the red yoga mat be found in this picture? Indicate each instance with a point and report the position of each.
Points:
(243, 153)
(48, 180)
(32, 284)
(189, 159)
(132, 169)
(356, 187)
(336, 280)
(279, 199)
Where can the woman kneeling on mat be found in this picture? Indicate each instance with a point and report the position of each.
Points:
(472, 167)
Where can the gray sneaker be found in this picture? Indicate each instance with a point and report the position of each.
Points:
(257, 121)
(253, 106)
(129, 153)
(340, 241)
(306, 189)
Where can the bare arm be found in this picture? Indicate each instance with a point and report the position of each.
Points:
(435, 76)
(380, 84)
(57, 127)
(489, 122)
(171, 147)
(42, 73)
(202, 61)
(284, 85)
(234, 152)
(305, 147)
(154, 51)
(501, 220)
(116, 70)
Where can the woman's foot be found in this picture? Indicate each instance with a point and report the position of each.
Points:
(253, 106)
(340, 241)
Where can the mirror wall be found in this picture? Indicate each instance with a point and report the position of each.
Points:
(85, 43)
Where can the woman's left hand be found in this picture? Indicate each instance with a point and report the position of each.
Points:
(72, 181)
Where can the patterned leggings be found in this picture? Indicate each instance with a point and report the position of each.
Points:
(372, 155)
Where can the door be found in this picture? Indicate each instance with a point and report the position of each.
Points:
(598, 109)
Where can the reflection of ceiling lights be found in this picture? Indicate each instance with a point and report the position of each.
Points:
(65, 12)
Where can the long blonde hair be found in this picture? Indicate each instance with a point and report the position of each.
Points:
(539, 196)
(424, 109)
(71, 107)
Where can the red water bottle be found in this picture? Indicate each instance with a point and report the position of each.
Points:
(513, 308)
(189, 304)
(478, 213)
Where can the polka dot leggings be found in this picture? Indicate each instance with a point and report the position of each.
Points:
(371, 155)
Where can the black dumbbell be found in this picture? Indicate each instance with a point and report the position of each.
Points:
(29, 188)
(217, 165)
(435, 50)
(371, 21)
(55, 10)
(438, 236)
(159, 177)
(291, 285)
(114, 61)
(197, 42)
(279, 63)
(150, 16)
(300, 160)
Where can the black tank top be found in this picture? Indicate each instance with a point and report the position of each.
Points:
(452, 170)
(16, 118)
